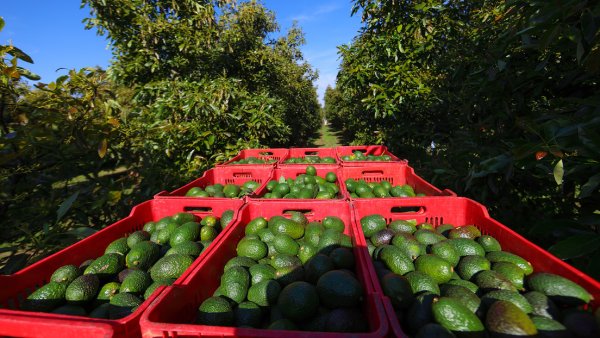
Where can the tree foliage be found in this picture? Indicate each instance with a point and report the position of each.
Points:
(191, 83)
(507, 91)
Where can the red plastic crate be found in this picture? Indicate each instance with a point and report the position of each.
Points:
(295, 171)
(304, 152)
(276, 154)
(15, 288)
(376, 150)
(173, 310)
(460, 211)
(223, 175)
(397, 173)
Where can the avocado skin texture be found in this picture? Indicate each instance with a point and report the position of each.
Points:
(83, 289)
(559, 288)
(504, 319)
(46, 298)
(454, 316)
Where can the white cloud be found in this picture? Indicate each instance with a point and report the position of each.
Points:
(318, 12)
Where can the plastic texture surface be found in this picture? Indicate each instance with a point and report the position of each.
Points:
(460, 211)
(293, 172)
(223, 175)
(15, 288)
(396, 173)
(172, 312)
(376, 150)
(276, 154)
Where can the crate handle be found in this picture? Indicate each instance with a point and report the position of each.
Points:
(408, 210)
(198, 209)
(266, 153)
(373, 172)
(311, 153)
(304, 211)
(242, 174)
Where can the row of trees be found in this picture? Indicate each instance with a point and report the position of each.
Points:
(190, 84)
(498, 100)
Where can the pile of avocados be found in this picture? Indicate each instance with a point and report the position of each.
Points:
(451, 281)
(289, 274)
(305, 186)
(308, 159)
(358, 155)
(384, 189)
(254, 160)
(113, 285)
(226, 191)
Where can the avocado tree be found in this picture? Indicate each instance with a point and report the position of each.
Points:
(507, 93)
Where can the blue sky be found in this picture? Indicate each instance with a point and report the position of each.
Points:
(52, 33)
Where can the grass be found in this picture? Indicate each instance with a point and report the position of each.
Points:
(327, 138)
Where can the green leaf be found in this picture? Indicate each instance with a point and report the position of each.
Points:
(82, 232)
(588, 188)
(65, 206)
(2, 23)
(16, 52)
(576, 246)
(558, 172)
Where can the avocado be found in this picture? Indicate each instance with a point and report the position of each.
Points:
(398, 290)
(489, 243)
(466, 247)
(428, 237)
(444, 229)
(155, 285)
(282, 225)
(488, 280)
(136, 237)
(382, 237)
(465, 231)
(239, 261)
(122, 305)
(46, 297)
(298, 301)
(463, 295)
(143, 255)
(371, 224)
(454, 316)
(65, 274)
(248, 314)
(420, 282)
(469, 285)
(503, 319)
(264, 293)
(118, 246)
(470, 265)
(285, 244)
(338, 288)
(419, 314)
(226, 218)
(511, 272)
(190, 248)
(558, 288)
(503, 256)
(189, 231)
(510, 296)
(136, 282)
(106, 266)
(408, 244)
(83, 289)
(549, 328)
(542, 305)
(446, 251)
(396, 260)
(108, 290)
(101, 311)
(402, 226)
(170, 267)
(437, 268)
(317, 266)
